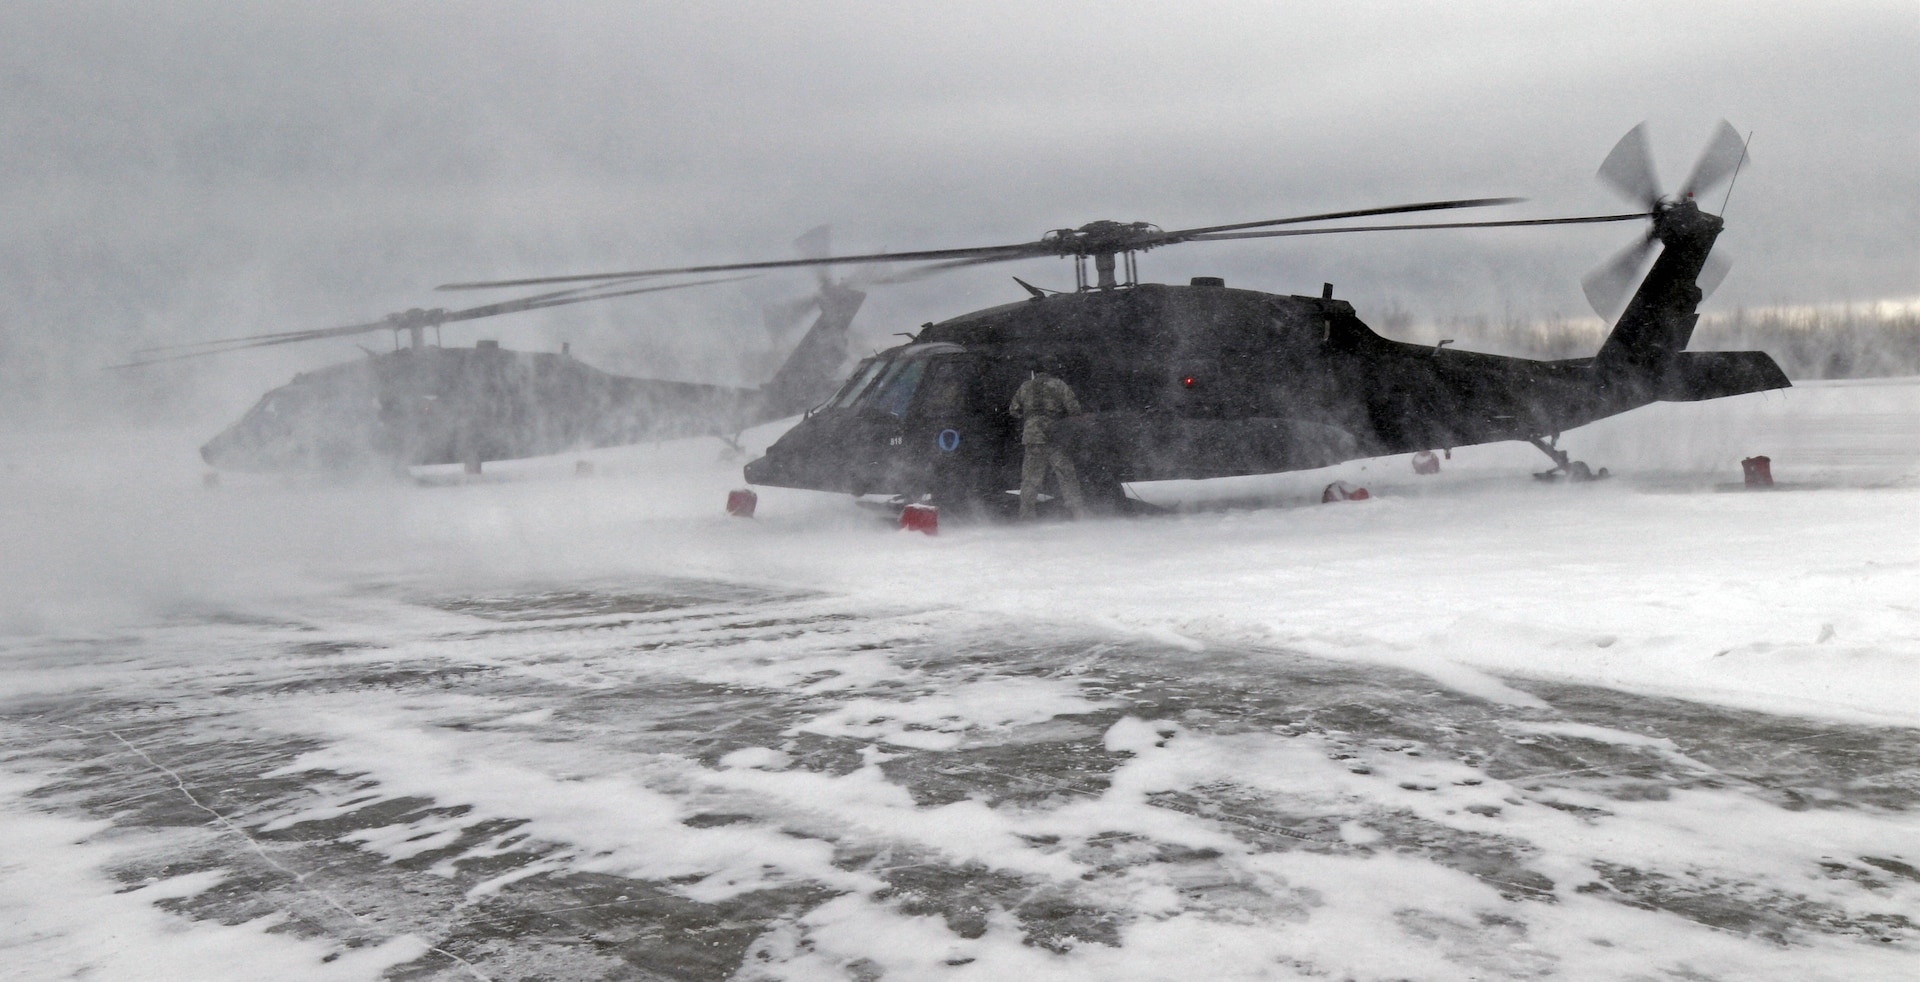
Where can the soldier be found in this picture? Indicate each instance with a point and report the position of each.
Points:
(1041, 401)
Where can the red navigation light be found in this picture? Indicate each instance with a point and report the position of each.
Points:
(1188, 381)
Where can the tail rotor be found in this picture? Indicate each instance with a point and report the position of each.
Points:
(1723, 155)
(816, 245)
(1628, 169)
(1609, 284)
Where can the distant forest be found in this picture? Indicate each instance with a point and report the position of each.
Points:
(1808, 343)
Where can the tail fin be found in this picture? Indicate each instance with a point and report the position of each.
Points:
(1659, 320)
(813, 370)
(1645, 357)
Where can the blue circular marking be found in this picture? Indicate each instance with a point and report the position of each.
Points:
(949, 440)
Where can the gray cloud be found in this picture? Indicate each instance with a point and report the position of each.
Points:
(191, 170)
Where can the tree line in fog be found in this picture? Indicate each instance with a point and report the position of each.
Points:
(1808, 343)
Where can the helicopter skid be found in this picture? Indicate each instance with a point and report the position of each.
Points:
(1576, 472)
(1004, 506)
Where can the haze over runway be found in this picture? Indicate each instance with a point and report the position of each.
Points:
(197, 170)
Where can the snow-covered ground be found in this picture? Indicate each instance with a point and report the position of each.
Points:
(1478, 726)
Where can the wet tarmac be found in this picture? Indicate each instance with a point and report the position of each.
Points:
(176, 738)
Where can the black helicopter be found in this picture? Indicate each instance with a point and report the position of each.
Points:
(428, 404)
(1204, 380)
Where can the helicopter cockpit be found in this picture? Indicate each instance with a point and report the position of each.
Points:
(904, 418)
(887, 382)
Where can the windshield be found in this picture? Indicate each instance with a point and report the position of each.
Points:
(888, 382)
(895, 389)
(862, 377)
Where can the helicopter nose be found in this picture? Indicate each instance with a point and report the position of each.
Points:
(217, 451)
(807, 456)
(764, 470)
(236, 448)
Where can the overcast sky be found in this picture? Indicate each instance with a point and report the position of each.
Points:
(189, 170)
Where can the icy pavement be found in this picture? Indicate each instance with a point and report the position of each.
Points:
(538, 727)
(705, 782)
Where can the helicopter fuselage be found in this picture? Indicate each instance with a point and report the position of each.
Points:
(1193, 381)
(434, 405)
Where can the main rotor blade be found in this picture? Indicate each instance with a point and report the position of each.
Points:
(272, 340)
(350, 328)
(561, 298)
(1331, 215)
(386, 322)
(977, 255)
(241, 344)
(1512, 223)
(1609, 285)
(935, 269)
(1628, 169)
(557, 298)
(982, 252)
(1724, 152)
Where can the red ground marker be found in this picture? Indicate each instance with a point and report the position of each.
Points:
(921, 518)
(1342, 491)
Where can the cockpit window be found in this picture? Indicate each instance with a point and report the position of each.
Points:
(895, 389)
(944, 393)
(862, 377)
(888, 382)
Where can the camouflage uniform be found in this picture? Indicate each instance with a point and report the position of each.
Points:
(1041, 400)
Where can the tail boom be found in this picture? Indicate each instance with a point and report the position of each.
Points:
(1692, 376)
(1660, 319)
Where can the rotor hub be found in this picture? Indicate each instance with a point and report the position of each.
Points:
(417, 318)
(1102, 238)
(1681, 218)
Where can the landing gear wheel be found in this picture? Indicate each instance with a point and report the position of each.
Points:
(1575, 471)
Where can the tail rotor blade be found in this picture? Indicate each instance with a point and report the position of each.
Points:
(1723, 154)
(1611, 283)
(785, 316)
(1713, 273)
(1629, 169)
(815, 243)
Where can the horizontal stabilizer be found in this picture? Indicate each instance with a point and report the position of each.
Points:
(1695, 375)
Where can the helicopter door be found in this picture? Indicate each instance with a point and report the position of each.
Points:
(947, 390)
(961, 439)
